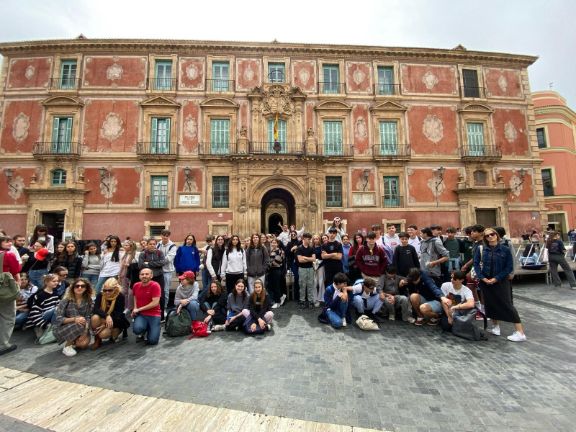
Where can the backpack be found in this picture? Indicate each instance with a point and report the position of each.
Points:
(178, 324)
(464, 326)
(8, 287)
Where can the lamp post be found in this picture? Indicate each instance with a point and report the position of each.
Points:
(365, 178)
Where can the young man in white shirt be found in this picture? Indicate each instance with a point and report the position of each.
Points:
(391, 239)
(460, 297)
(414, 239)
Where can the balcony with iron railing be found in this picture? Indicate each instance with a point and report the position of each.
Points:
(331, 88)
(392, 201)
(157, 150)
(57, 150)
(157, 202)
(64, 84)
(277, 148)
(210, 149)
(331, 150)
(480, 153)
(219, 86)
(391, 152)
(474, 92)
(383, 89)
(162, 84)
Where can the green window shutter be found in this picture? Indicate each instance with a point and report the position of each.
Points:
(475, 139)
(385, 80)
(333, 137)
(391, 191)
(61, 134)
(333, 191)
(281, 135)
(220, 192)
(153, 134)
(219, 136)
(160, 135)
(55, 130)
(220, 76)
(388, 137)
(163, 75)
(68, 74)
(159, 192)
(331, 74)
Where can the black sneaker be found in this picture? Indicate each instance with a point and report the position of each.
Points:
(302, 305)
(8, 350)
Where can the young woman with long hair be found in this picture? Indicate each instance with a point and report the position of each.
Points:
(128, 266)
(556, 252)
(258, 316)
(237, 306)
(213, 304)
(91, 263)
(187, 256)
(275, 273)
(43, 305)
(70, 260)
(73, 317)
(110, 264)
(41, 233)
(38, 264)
(257, 259)
(233, 264)
(214, 258)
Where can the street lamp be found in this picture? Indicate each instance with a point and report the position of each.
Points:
(365, 178)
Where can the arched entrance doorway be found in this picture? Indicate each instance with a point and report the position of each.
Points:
(277, 207)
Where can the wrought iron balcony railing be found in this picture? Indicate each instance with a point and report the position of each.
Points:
(63, 83)
(57, 149)
(162, 84)
(392, 201)
(274, 148)
(391, 151)
(383, 89)
(157, 150)
(476, 152)
(157, 202)
(219, 85)
(335, 150)
(331, 88)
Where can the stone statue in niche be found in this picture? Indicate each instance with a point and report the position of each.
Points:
(190, 185)
(20, 127)
(432, 128)
(310, 132)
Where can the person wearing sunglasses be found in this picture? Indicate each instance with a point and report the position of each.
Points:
(108, 319)
(73, 317)
(492, 264)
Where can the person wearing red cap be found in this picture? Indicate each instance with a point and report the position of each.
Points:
(187, 294)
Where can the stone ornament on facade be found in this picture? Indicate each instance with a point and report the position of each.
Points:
(503, 83)
(432, 128)
(112, 127)
(360, 129)
(249, 73)
(358, 76)
(20, 127)
(192, 72)
(510, 132)
(114, 72)
(304, 76)
(190, 127)
(243, 132)
(29, 73)
(277, 101)
(429, 80)
(516, 183)
(16, 187)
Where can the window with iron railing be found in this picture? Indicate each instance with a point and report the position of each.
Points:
(220, 76)
(277, 145)
(68, 74)
(160, 135)
(220, 191)
(163, 75)
(331, 83)
(385, 84)
(388, 137)
(61, 134)
(332, 138)
(333, 191)
(470, 81)
(391, 191)
(219, 136)
(475, 136)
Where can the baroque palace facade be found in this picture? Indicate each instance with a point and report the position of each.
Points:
(131, 136)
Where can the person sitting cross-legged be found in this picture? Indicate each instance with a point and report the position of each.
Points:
(186, 296)
(426, 298)
(393, 299)
(108, 319)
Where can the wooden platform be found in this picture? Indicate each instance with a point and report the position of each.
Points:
(62, 406)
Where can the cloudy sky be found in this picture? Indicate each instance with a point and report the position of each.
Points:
(545, 28)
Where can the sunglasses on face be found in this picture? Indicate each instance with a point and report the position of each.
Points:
(489, 235)
(107, 290)
(80, 286)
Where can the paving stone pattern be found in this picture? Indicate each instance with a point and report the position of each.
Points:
(402, 378)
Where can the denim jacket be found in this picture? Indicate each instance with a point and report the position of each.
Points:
(495, 262)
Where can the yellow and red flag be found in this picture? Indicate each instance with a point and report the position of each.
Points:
(276, 128)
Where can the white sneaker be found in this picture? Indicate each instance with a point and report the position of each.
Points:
(282, 299)
(495, 330)
(219, 327)
(517, 337)
(69, 351)
(411, 320)
(344, 323)
(316, 304)
(275, 305)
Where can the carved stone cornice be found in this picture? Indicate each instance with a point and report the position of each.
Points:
(219, 102)
(160, 101)
(62, 101)
(475, 108)
(333, 105)
(259, 48)
(56, 194)
(389, 106)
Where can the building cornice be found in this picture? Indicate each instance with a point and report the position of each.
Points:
(458, 54)
(556, 109)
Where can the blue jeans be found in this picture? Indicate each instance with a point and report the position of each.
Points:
(206, 279)
(36, 277)
(373, 303)
(49, 316)
(453, 264)
(147, 324)
(92, 278)
(336, 316)
(21, 318)
(193, 309)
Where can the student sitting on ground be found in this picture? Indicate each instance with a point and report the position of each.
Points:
(336, 302)
(213, 304)
(394, 300)
(187, 294)
(108, 319)
(426, 298)
(43, 305)
(259, 314)
(367, 300)
(73, 317)
(459, 296)
(27, 290)
(236, 305)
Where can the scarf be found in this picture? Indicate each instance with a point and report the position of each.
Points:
(112, 301)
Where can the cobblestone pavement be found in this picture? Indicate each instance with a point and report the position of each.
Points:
(402, 378)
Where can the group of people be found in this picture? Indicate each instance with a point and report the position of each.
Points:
(415, 276)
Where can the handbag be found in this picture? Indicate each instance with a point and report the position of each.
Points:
(199, 329)
(48, 336)
(366, 323)
(464, 326)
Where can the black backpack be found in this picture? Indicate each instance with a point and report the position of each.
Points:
(178, 324)
(464, 325)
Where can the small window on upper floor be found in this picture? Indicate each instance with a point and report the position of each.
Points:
(480, 178)
(470, 82)
(68, 74)
(547, 183)
(385, 84)
(163, 75)
(276, 72)
(220, 76)
(541, 137)
(331, 79)
(58, 177)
